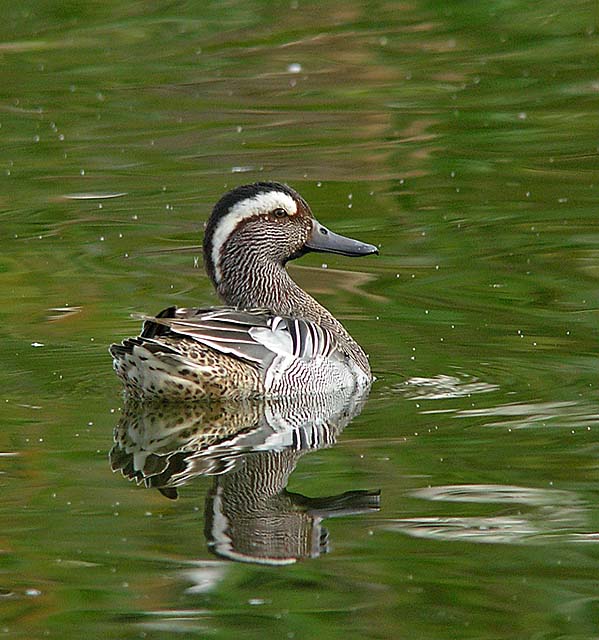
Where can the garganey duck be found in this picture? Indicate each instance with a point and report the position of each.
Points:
(273, 338)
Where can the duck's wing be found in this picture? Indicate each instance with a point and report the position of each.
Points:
(253, 335)
(295, 337)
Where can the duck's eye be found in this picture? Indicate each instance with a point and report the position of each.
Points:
(279, 213)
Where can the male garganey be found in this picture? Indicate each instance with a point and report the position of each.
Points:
(273, 338)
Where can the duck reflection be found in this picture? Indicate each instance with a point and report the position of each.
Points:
(250, 448)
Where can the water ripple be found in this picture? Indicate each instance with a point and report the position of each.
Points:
(553, 515)
(443, 386)
(496, 493)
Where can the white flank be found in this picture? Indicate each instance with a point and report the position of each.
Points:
(258, 205)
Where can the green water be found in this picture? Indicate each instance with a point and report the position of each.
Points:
(463, 138)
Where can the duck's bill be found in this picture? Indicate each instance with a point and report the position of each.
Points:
(325, 241)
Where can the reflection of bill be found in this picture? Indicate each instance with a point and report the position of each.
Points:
(251, 449)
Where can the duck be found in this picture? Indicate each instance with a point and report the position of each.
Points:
(271, 338)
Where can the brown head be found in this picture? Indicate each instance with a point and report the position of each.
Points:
(266, 223)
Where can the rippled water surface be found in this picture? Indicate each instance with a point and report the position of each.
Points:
(460, 136)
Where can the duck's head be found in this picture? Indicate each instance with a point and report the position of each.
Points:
(270, 223)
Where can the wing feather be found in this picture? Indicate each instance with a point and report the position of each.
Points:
(256, 336)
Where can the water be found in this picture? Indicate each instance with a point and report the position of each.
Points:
(462, 138)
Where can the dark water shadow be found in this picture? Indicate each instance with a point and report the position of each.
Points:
(250, 449)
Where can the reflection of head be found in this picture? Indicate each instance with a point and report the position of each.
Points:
(251, 517)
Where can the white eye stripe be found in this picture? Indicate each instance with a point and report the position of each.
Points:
(260, 204)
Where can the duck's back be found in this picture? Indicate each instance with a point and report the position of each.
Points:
(190, 354)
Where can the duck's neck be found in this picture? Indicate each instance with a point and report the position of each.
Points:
(267, 285)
